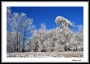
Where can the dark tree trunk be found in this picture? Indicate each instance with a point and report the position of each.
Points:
(23, 44)
(17, 46)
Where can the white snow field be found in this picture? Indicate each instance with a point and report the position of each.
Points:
(46, 54)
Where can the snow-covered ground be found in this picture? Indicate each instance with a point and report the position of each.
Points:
(47, 54)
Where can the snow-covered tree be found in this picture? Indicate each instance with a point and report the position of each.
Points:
(63, 21)
(21, 25)
(57, 39)
(10, 47)
(43, 26)
(62, 38)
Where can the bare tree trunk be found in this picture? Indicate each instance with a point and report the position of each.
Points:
(17, 46)
(23, 45)
(19, 43)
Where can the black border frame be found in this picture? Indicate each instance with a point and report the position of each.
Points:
(44, 62)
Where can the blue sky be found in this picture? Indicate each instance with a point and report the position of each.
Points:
(47, 15)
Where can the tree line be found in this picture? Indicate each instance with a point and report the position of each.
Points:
(23, 37)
